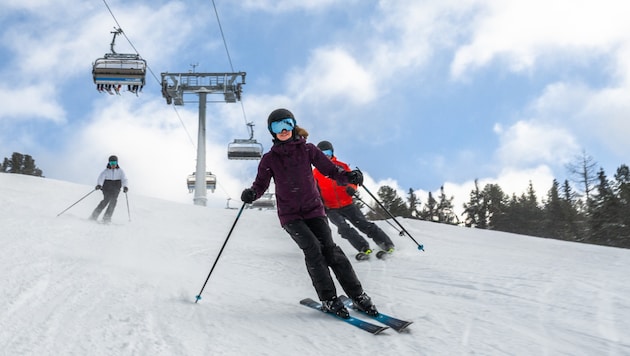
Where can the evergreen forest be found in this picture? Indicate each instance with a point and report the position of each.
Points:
(591, 208)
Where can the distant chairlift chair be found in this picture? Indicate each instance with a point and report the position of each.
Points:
(245, 148)
(211, 182)
(267, 201)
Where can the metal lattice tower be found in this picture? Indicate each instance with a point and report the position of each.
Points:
(177, 86)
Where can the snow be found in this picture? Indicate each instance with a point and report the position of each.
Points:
(71, 286)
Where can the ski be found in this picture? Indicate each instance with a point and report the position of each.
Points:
(384, 254)
(361, 324)
(395, 323)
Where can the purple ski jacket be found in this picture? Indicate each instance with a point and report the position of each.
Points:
(289, 164)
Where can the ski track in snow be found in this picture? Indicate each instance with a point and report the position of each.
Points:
(74, 287)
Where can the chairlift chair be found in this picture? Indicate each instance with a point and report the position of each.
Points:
(211, 182)
(266, 201)
(115, 70)
(245, 149)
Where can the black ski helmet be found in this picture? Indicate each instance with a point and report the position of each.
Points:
(325, 145)
(113, 158)
(278, 115)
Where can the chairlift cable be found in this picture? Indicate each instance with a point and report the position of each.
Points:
(128, 40)
(159, 83)
(182, 122)
(227, 51)
(157, 80)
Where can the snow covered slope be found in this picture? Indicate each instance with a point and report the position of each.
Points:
(70, 286)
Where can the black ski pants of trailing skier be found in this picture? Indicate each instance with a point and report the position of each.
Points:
(110, 198)
(353, 214)
(314, 237)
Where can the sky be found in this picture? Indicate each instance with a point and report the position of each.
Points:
(417, 94)
(71, 286)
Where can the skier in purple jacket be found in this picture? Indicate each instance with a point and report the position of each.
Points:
(301, 211)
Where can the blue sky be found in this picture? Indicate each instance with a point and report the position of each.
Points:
(418, 94)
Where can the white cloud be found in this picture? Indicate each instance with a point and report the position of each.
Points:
(521, 32)
(528, 143)
(591, 115)
(289, 5)
(333, 75)
(26, 103)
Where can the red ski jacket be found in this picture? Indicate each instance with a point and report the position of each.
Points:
(333, 194)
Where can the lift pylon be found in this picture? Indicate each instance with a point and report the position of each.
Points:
(175, 86)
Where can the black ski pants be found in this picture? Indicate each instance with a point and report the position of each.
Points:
(110, 198)
(353, 214)
(314, 237)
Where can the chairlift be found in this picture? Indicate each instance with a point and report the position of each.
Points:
(266, 201)
(245, 149)
(211, 182)
(116, 71)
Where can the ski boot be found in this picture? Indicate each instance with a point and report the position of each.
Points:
(363, 255)
(364, 304)
(384, 253)
(335, 306)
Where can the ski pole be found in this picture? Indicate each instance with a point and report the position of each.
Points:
(420, 247)
(400, 232)
(77, 202)
(220, 252)
(128, 212)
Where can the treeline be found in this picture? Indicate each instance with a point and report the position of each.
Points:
(597, 213)
(20, 164)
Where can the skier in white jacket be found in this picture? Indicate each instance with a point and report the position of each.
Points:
(110, 181)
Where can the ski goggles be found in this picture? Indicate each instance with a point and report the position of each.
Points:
(281, 125)
(328, 153)
(113, 163)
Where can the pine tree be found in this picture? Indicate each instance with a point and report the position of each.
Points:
(474, 211)
(444, 211)
(584, 174)
(605, 222)
(560, 215)
(577, 228)
(534, 215)
(413, 202)
(621, 190)
(21, 164)
(6, 165)
(495, 204)
(429, 212)
(391, 201)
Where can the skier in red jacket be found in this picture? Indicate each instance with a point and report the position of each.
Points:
(340, 207)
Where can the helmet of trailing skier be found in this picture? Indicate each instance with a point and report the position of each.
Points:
(326, 146)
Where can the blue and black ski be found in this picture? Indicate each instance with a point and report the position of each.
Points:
(395, 323)
(361, 324)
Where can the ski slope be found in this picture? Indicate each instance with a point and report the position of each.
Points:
(70, 286)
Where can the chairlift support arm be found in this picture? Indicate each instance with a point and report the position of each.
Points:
(117, 32)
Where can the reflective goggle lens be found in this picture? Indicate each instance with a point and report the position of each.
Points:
(284, 124)
(113, 163)
(328, 153)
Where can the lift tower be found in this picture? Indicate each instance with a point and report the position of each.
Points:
(227, 86)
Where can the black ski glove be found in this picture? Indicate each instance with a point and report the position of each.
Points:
(125, 190)
(248, 195)
(350, 190)
(98, 187)
(355, 177)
